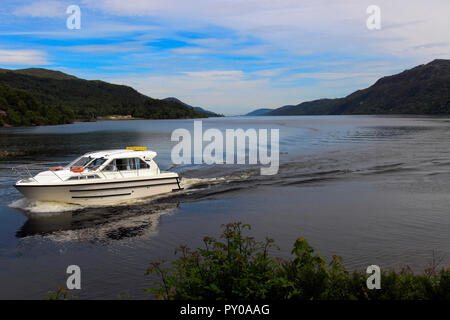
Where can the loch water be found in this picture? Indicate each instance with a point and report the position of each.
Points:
(372, 189)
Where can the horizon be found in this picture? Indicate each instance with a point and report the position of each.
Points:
(226, 57)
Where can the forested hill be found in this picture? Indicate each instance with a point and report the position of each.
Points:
(424, 89)
(259, 112)
(209, 113)
(40, 96)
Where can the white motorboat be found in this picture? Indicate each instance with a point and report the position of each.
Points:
(101, 177)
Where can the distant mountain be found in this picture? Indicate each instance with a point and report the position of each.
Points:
(209, 113)
(42, 73)
(424, 89)
(259, 112)
(35, 96)
(315, 107)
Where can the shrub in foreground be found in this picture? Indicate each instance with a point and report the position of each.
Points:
(239, 267)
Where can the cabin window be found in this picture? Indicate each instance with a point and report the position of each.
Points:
(125, 164)
(83, 177)
(112, 166)
(128, 164)
(141, 164)
(81, 162)
(96, 163)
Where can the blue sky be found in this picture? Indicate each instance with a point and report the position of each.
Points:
(229, 56)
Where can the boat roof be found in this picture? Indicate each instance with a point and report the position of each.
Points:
(121, 153)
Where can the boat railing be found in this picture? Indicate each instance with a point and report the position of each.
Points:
(28, 171)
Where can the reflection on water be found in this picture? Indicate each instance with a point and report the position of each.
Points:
(97, 224)
(372, 189)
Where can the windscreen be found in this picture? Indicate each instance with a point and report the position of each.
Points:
(96, 163)
(80, 162)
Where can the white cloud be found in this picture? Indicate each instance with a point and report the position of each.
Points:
(309, 26)
(42, 9)
(90, 29)
(269, 72)
(255, 50)
(329, 75)
(122, 47)
(216, 75)
(23, 57)
(191, 50)
(342, 55)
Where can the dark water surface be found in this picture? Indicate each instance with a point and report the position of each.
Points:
(374, 190)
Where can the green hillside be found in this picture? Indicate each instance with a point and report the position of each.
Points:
(19, 107)
(41, 73)
(41, 89)
(259, 112)
(424, 89)
(209, 113)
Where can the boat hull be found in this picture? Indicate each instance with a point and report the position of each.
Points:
(100, 192)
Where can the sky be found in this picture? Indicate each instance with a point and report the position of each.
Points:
(228, 56)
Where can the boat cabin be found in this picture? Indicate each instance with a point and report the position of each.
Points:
(111, 163)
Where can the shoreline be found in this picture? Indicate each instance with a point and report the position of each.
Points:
(6, 154)
(122, 118)
(6, 125)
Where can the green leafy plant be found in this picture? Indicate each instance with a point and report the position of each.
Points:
(60, 294)
(237, 267)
